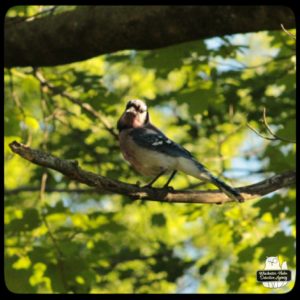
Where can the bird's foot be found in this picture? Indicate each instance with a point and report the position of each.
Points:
(148, 185)
(169, 188)
(138, 183)
(239, 198)
(220, 203)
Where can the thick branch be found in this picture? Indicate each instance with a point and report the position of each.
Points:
(89, 31)
(73, 171)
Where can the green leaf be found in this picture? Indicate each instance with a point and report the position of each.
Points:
(29, 221)
(205, 267)
(234, 278)
(158, 220)
(169, 58)
(17, 281)
(40, 254)
(279, 244)
(289, 130)
(57, 208)
(112, 227)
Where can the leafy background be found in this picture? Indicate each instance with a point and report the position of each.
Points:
(202, 94)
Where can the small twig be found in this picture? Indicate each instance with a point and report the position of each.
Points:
(287, 32)
(25, 134)
(44, 219)
(274, 136)
(43, 186)
(60, 255)
(24, 189)
(243, 66)
(15, 20)
(270, 130)
(259, 134)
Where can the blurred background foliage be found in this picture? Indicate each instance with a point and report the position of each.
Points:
(202, 94)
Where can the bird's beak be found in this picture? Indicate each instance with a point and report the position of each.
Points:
(131, 110)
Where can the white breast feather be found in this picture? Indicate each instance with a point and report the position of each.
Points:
(146, 162)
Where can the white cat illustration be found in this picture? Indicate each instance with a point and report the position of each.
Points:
(272, 263)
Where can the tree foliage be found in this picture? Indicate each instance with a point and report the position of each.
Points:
(202, 94)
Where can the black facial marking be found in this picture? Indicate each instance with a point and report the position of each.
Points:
(129, 104)
(137, 106)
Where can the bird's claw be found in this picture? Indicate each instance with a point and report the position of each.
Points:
(169, 188)
(146, 186)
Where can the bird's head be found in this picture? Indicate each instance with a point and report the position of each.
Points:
(135, 115)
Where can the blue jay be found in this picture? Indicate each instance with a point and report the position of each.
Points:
(151, 153)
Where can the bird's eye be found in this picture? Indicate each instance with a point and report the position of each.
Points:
(139, 109)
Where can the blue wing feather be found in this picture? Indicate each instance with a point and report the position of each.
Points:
(157, 141)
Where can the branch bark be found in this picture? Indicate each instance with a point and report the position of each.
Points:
(89, 31)
(73, 171)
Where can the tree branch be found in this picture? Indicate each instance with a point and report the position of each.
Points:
(73, 171)
(287, 32)
(89, 31)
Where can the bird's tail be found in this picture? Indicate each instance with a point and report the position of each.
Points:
(228, 190)
(194, 168)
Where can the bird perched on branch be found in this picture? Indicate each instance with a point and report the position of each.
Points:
(151, 153)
